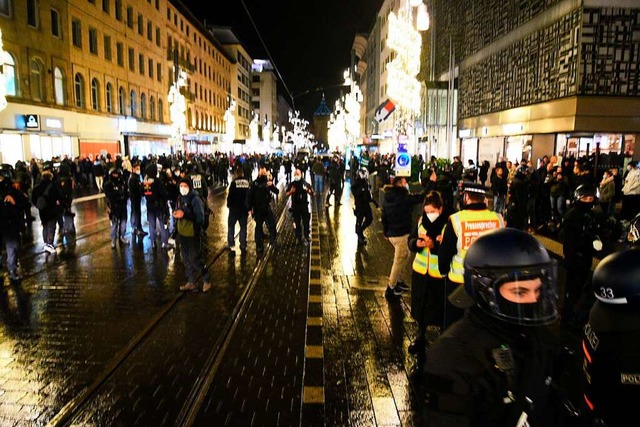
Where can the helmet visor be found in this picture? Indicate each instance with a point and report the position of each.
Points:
(526, 296)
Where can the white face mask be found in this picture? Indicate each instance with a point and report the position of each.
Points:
(296, 178)
(433, 216)
(184, 191)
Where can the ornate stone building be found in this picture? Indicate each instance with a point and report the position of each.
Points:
(542, 76)
(92, 76)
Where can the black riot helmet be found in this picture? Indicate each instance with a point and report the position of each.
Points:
(510, 275)
(616, 279)
(586, 190)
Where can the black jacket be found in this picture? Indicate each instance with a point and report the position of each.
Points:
(237, 197)
(259, 196)
(397, 211)
(135, 188)
(11, 215)
(50, 191)
(362, 194)
(468, 384)
(300, 199)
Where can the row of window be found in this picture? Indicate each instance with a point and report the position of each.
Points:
(142, 64)
(143, 113)
(146, 111)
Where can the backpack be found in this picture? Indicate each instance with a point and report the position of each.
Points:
(147, 190)
(41, 201)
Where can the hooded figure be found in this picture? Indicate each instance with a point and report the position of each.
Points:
(189, 214)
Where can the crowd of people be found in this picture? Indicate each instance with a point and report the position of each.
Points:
(479, 276)
(490, 291)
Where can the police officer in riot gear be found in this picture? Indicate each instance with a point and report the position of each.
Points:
(494, 367)
(581, 229)
(611, 341)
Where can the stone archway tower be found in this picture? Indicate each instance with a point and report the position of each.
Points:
(321, 123)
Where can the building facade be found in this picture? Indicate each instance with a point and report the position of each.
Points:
(92, 77)
(264, 92)
(240, 82)
(546, 77)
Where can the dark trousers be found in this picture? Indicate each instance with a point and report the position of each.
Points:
(334, 189)
(136, 216)
(364, 218)
(270, 219)
(192, 258)
(118, 224)
(237, 216)
(302, 219)
(49, 230)
(11, 244)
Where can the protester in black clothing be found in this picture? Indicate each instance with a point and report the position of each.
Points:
(259, 206)
(155, 193)
(362, 199)
(65, 183)
(495, 367)
(287, 168)
(336, 182)
(195, 174)
(238, 213)
(170, 180)
(516, 215)
(12, 202)
(483, 172)
(48, 200)
(299, 190)
(135, 195)
(115, 191)
(581, 229)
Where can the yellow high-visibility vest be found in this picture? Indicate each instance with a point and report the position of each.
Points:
(425, 261)
(468, 225)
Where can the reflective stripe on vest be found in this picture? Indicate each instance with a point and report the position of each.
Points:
(468, 226)
(421, 261)
(434, 270)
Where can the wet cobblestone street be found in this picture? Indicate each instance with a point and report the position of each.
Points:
(302, 335)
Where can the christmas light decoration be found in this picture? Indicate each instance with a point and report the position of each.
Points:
(177, 112)
(230, 122)
(402, 86)
(300, 136)
(422, 19)
(344, 122)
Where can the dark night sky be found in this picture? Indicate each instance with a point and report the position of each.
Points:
(309, 40)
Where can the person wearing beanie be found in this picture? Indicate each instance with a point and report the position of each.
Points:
(189, 215)
(47, 198)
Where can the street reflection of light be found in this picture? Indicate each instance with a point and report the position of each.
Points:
(345, 229)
